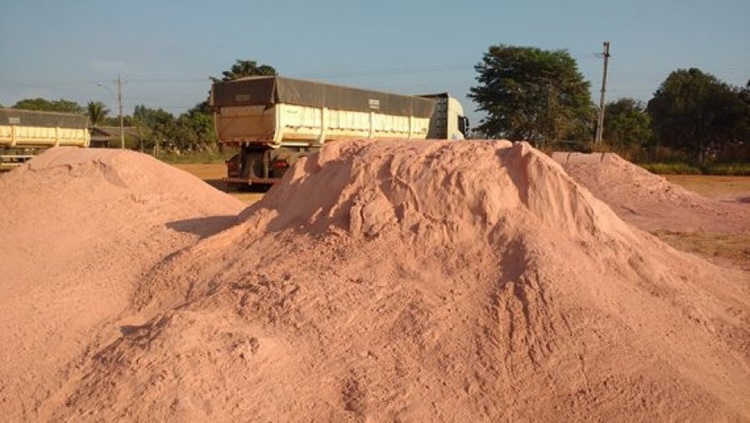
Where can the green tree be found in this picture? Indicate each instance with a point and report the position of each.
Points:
(694, 112)
(532, 94)
(156, 128)
(44, 105)
(745, 93)
(202, 107)
(195, 131)
(97, 112)
(242, 68)
(739, 150)
(115, 121)
(627, 126)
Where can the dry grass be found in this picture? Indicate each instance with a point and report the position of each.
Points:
(723, 249)
(716, 187)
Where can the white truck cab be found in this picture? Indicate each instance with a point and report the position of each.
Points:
(448, 120)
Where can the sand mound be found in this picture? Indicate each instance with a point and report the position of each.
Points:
(425, 281)
(649, 201)
(79, 228)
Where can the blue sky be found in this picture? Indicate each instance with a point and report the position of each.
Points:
(166, 50)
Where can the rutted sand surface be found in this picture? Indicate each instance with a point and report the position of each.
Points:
(388, 281)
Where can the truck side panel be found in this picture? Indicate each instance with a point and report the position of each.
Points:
(32, 129)
(36, 136)
(24, 133)
(287, 124)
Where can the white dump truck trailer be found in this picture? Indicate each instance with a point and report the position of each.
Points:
(25, 133)
(274, 120)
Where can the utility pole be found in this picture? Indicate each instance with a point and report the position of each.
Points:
(119, 103)
(600, 124)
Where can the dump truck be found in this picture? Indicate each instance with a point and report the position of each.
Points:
(26, 133)
(274, 120)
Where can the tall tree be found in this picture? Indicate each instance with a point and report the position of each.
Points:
(740, 149)
(156, 128)
(195, 131)
(745, 93)
(626, 124)
(532, 94)
(44, 105)
(242, 68)
(97, 112)
(694, 112)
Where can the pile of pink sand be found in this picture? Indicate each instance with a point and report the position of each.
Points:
(79, 229)
(650, 201)
(381, 281)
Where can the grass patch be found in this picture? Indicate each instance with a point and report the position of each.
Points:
(207, 157)
(732, 169)
(678, 168)
(713, 186)
(683, 168)
(723, 249)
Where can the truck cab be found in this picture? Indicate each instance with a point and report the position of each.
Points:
(448, 120)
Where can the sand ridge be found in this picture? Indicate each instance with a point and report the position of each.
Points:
(650, 201)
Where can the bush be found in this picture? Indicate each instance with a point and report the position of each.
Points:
(730, 169)
(678, 168)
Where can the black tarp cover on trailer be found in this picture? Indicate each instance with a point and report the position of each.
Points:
(22, 117)
(270, 90)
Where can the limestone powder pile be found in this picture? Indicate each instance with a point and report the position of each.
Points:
(79, 228)
(650, 201)
(389, 281)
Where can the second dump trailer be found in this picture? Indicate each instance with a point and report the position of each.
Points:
(26, 133)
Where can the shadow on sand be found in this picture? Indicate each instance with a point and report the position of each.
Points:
(203, 226)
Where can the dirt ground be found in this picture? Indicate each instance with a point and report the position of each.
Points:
(731, 249)
(720, 248)
(212, 174)
(715, 187)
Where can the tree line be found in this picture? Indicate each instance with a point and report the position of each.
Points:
(540, 96)
(527, 94)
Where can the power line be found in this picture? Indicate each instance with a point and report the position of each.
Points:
(636, 75)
